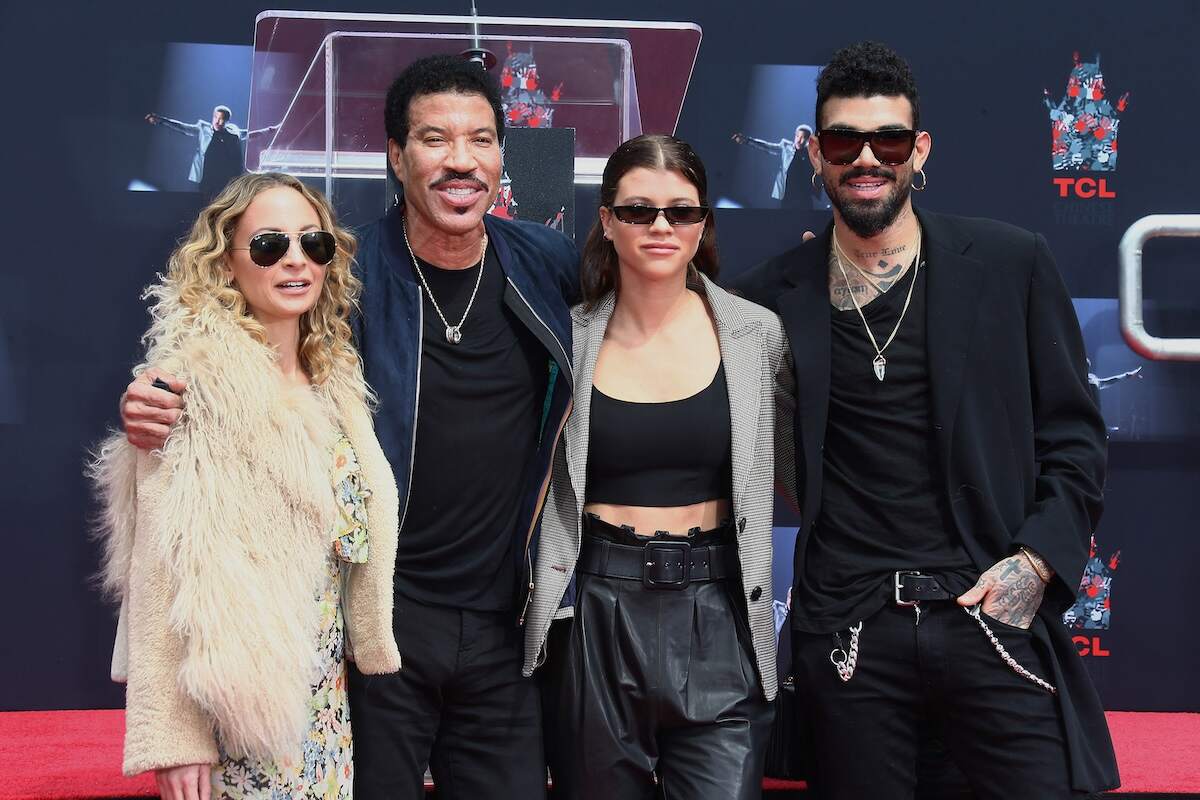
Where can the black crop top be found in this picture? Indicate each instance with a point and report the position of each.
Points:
(661, 454)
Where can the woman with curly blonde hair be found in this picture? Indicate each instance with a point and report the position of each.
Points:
(239, 550)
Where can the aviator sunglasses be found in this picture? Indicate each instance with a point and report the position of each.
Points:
(646, 215)
(890, 146)
(267, 248)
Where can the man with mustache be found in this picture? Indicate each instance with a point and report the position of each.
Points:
(465, 335)
(951, 464)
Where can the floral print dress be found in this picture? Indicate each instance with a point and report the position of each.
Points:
(327, 769)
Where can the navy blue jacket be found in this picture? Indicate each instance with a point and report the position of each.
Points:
(541, 268)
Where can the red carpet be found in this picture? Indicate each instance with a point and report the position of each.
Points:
(66, 754)
(53, 755)
(1157, 752)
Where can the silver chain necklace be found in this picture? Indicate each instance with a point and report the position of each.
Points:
(453, 332)
(879, 362)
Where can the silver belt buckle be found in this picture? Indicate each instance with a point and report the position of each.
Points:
(899, 586)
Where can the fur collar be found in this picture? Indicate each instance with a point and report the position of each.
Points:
(236, 509)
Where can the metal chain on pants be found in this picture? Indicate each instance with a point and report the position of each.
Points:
(845, 661)
(849, 661)
(1004, 654)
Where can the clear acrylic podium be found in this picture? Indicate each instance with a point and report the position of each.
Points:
(323, 78)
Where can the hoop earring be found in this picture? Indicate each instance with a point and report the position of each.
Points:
(924, 182)
(813, 181)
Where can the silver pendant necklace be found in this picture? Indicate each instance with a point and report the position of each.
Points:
(453, 332)
(879, 362)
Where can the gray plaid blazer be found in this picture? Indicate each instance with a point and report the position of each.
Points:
(758, 369)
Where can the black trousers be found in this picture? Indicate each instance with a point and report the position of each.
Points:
(458, 704)
(943, 677)
(657, 685)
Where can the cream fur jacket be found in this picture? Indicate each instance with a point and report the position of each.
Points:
(216, 548)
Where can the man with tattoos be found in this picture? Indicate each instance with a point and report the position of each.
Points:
(951, 464)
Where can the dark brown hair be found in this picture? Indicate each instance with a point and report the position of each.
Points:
(598, 267)
(866, 69)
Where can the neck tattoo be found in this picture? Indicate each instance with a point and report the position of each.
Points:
(879, 362)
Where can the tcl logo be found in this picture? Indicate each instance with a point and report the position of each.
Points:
(1089, 646)
(1084, 188)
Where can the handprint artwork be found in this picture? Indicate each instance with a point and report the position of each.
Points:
(1093, 605)
(525, 104)
(1083, 126)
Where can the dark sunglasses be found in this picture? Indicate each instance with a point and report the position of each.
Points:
(646, 215)
(839, 146)
(267, 248)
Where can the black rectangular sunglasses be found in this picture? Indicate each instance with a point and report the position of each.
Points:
(890, 146)
(267, 248)
(645, 215)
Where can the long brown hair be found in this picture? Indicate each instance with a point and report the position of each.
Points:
(599, 269)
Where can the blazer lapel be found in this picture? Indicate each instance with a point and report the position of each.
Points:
(805, 311)
(741, 355)
(588, 334)
(954, 282)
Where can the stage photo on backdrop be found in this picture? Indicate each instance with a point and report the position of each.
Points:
(199, 116)
(771, 168)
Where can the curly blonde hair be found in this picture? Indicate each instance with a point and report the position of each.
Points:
(196, 271)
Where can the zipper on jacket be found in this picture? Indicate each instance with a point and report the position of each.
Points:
(537, 509)
(532, 586)
(412, 447)
(562, 350)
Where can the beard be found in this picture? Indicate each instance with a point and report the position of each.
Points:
(872, 217)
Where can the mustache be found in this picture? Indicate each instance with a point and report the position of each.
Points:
(867, 172)
(460, 176)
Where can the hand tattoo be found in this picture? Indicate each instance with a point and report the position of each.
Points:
(1014, 591)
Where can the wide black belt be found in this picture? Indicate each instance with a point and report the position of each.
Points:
(659, 563)
(913, 587)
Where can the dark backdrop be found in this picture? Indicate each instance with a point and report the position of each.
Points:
(79, 248)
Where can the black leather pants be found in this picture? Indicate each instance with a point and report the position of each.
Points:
(657, 685)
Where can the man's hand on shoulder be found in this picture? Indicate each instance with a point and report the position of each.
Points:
(148, 412)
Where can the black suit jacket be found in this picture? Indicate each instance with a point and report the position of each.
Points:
(1020, 443)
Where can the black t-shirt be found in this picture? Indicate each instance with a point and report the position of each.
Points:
(882, 508)
(477, 424)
